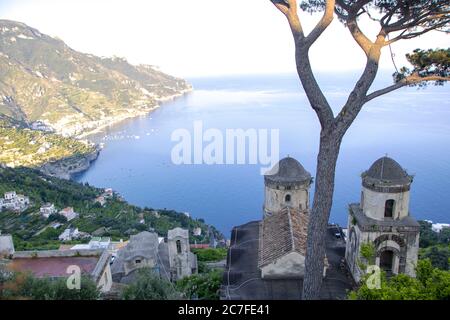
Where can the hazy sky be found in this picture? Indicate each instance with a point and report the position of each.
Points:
(197, 37)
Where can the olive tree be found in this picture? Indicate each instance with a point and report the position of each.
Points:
(398, 20)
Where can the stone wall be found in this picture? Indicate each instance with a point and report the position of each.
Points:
(275, 199)
(373, 204)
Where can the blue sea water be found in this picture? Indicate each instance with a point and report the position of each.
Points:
(411, 125)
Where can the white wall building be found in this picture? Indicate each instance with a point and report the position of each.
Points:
(47, 210)
(69, 234)
(383, 219)
(15, 202)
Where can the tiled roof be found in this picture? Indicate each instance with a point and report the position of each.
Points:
(288, 170)
(282, 233)
(386, 172)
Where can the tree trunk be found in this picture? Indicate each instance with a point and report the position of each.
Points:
(323, 199)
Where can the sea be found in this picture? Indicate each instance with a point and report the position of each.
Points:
(411, 125)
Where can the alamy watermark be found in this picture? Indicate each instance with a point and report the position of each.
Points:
(374, 279)
(234, 146)
(74, 280)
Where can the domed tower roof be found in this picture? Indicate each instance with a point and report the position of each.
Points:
(287, 171)
(386, 175)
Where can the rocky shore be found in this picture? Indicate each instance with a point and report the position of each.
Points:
(66, 168)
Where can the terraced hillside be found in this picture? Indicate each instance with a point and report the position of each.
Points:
(41, 78)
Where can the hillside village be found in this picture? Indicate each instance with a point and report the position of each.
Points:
(53, 229)
(44, 237)
(83, 93)
(271, 263)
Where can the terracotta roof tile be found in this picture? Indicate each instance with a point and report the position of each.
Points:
(282, 233)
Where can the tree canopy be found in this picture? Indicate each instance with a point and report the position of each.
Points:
(397, 20)
(149, 286)
(27, 287)
(431, 284)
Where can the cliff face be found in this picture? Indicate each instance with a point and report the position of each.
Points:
(41, 78)
(66, 168)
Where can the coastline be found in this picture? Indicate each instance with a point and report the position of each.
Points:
(149, 110)
(69, 167)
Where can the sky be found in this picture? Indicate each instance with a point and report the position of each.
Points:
(199, 37)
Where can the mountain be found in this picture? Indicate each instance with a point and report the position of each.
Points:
(42, 79)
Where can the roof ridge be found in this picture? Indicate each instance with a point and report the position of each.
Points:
(291, 230)
(382, 168)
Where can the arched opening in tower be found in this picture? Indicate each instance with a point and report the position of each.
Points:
(178, 246)
(387, 261)
(389, 208)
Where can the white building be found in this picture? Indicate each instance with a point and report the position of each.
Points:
(15, 202)
(47, 210)
(69, 213)
(100, 200)
(69, 234)
(382, 218)
(437, 227)
(197, 231)
(95, 243)
(10, 195)
(108, 193)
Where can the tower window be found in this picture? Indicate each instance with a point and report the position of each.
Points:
(389, 208)
(178, 246)
(288, 188)
(287, 198)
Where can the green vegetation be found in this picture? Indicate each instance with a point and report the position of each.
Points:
(25, 286)
(433, 275)
(202, 286)
(367, 252)
(430, 238)
(117, 219)
(210, 254)
(149, 286)
(43, 79)
(431, 284)
(435, 245)
(438, 255)
(23, 147)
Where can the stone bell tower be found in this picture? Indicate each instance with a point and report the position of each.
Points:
(287, 184)
(181, 260)
(382, 218)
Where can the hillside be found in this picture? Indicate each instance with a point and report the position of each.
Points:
(116, 219)
(41, 78)
(22, 147)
